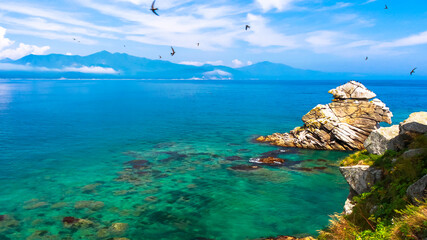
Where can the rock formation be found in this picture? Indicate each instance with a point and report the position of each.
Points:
(397, 137)
(361, 177)
(343, 124)
(418, 191)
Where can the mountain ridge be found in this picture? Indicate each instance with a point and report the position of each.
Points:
(107, 65)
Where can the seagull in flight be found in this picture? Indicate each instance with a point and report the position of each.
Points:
(153, 9)
(173, 52)
(386, 7)
(413, 71)
(247, 27)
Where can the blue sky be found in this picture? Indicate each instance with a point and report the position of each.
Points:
(322, 35)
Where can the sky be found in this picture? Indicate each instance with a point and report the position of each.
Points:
(332, 36)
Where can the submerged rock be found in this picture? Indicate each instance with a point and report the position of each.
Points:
(72, 222)
(268, 161)
(288, 238)
(343, 124)
(118, 228)
(92, 205)
(245, 167)
(233, 158)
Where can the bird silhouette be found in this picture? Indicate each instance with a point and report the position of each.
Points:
(247, 27)
(366, 59)
(153, 9)
(160, 57)
(173, 52)
(413, 71)
(386, 7)
(198, 44)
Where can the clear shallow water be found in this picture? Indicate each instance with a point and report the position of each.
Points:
(62, 142)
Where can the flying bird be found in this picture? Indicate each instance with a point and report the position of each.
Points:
(153, 9)
(247, 27)
(198, 44)
(413, 71)
(173, 52)
(160, 57)
(366, 59)
(386, 7)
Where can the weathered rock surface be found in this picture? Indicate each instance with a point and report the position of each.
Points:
(343, 124)
(382, 139)
(416, 123)
(397, 137)
(418, 190)
(361, 177)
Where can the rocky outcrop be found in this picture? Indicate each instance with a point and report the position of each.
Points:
(416, 123)
(343, 124)
(382, 139)
(417, 191)
(397, 137)
(361, 177)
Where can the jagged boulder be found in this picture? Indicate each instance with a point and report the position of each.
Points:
(361, 177)
(382, 139)
(343, 124)
(416, 123)
(417, 191)
(397, 137)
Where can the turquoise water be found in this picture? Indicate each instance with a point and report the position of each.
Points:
(62, 142)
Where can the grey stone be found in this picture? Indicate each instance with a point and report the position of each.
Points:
(361, 177)
(413, 152)
(416, 123)
(418, 190)
(382, 139)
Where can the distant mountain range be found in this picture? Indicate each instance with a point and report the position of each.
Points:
(106, 65)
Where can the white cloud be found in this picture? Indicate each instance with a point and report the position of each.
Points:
(417, 39)
(237, 63)
(217, 75)
(369, 1)
(69, 54)
(264, 36)
(337, 5)
(92, 69)
(82, 69)
(19, 52)
(280, 5)
(192, 63)
(322, 38)
(4, 42)
(198, 64)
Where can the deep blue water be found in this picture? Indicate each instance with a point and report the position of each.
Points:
(62, 142)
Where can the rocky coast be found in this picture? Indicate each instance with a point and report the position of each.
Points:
(387, 176)
(343, 124)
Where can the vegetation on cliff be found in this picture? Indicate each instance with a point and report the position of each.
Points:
(386, 211)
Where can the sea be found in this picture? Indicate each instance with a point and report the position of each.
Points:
(159, 159)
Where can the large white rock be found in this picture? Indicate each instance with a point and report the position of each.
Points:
(352, 90)
(361, 177)
(416, 123)
(382, 139)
